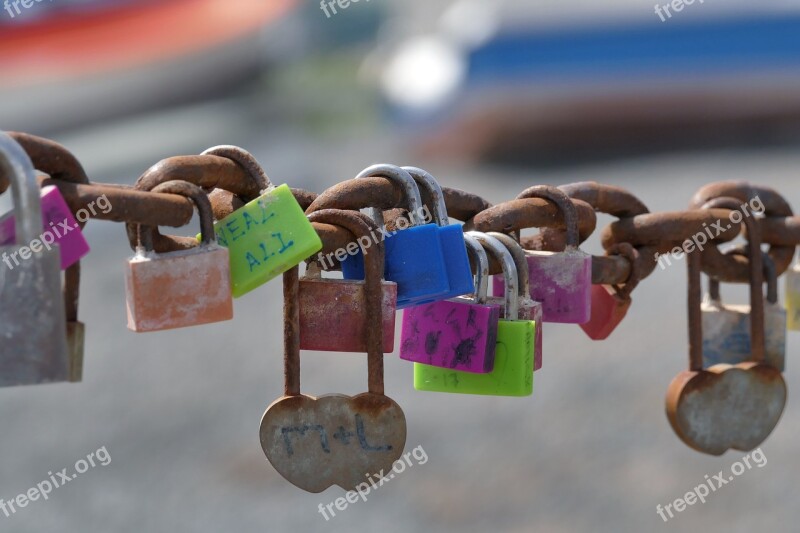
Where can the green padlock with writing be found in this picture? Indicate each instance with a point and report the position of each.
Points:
(512, 374)
(266, 237)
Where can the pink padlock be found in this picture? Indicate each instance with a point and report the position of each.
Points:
(60, 227)
(561, 281)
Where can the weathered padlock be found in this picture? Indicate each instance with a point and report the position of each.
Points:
(267, 236)
(451, 236)
(33, 341)
(512, 374)
(332, 311)
(460, 333)
(182, 288)
(333, 440)
(76, 330)
(793, 297)
(561, 281)
(610, 303)
(60, 227)
(726, 406)
(414, 257)
(726, 328)
(529, 309)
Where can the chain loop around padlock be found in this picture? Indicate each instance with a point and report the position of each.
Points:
(630, 253)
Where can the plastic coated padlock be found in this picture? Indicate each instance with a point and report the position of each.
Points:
(610, 304)
(726, 328)
(414, 257)
(460, 333)
(793, 297)
(182, 288)
(32, 326)
(332, 311)
(451, 236)
(60, 227)
(561, 281)
(266, 237)
(512, 374)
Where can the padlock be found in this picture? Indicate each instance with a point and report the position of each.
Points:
(793, 297)
(269, 235)
(726, 328)
(33, 347)
(512, 374)
(610, 303)
(60, 227)
(458, 334)
(332, 311)
(561, 281)
(451, 236)
(317, 442)
(76, 330)
(529, 309)
(414, 257)
(182, 288)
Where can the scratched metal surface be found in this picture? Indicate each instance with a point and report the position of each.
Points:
(179, 411)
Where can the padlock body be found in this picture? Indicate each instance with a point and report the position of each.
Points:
(178, 289)
(266, 237)
(60, 227)
(562, 282)
(528, 310)
(608, 311)
(333, 315)
(513, 367)
(726, 334)
(32, 324)
(793, 297)
(453, 334)
(76, 334)
(459, 272)
(414, 260)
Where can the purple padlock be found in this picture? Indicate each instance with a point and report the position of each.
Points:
(561, 281)
(60, 227)
(460, 333)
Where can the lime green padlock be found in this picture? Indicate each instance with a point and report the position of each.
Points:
(266, 237)
(512, 374)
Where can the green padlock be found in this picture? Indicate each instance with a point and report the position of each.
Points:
(512, 374)
(266, 237)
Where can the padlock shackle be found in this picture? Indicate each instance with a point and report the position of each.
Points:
(627, 250)
(480, 260)
(770, 276)
(510, 275)
(408, 185)
(564, 204)
(15, 163)
(426, 180)
(198, 197)
(246, 160)
(520, 261)
(359, 225)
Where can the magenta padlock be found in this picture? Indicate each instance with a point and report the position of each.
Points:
(60, 227)
(460, 333)
(529, 309)
(561, 281)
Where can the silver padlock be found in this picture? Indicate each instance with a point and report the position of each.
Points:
(33, 341)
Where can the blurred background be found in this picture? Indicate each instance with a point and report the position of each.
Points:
(491, 97)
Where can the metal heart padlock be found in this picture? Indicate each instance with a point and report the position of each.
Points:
(529, 309)
(451, 236)
(460, 333)
(332, 311)
(726, 328)
(610, 303)
(60, 227)
(32, 327)
(512, 374)
(333, 440)
(414, 257)
(269, 235)
(793, 297)
(726, 406)
(182, 288)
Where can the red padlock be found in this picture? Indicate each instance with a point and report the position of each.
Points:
(610, 303)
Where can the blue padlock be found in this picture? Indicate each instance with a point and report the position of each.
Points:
(451, 236)
(414, 257)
